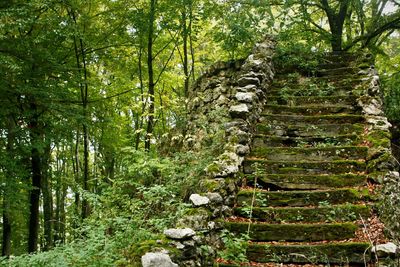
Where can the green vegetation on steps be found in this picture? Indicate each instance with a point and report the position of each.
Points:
(294, 232)
(327, 213)
(307, 130)
(305, 167)
(303, 198)
(336, 253)
(261, 140)
(308, 182)
(316, 119)
(309, 109)
(310, 153)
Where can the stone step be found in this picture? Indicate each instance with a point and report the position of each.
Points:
(284, 119)
(304, 167)
(336, 70)
(294, 232)
(261, 140)
(309, 100)
(324, 253)
(290, 154)
(302, 198)
(280, 129)
(307, 182)
(294, 90)
(323, 213)
(323, 83)
(310, 109)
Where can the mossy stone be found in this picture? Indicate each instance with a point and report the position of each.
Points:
(295, 232)
(330, 253)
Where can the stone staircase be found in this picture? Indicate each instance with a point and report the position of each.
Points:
(305, 179)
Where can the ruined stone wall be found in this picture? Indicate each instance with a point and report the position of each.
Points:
(382, 166)
(228, 100)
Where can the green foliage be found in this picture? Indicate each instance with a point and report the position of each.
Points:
(240, 24)
(135, 208)
(298, 56)
(234, 247)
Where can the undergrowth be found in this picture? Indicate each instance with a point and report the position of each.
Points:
(135, 208)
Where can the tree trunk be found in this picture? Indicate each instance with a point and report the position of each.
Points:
(36, 172)
(6, 242)
(336, 22)
(150, 122)
(84, 96)
(47, 202)
(185, 34)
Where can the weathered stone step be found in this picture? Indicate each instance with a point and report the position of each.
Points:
(325, 253)
(261, 140)
(307, 182)
(304, 167)
(310, 153)
(336, 70)
(310, 109)
(314, 120)
(328, 213)
(302, 198)
(294, 232)
(294, 90)
(307, 130)
(309, 100)
(322, 82)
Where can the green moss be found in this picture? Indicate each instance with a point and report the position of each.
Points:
(377, 176)
(307, 167)
(295, 232)
(303, 198)
(337, 213)
(364, 65)
(287, 181)
(375, 164)
(197, 211)
(136, 251)
(210, 185)
(379, 138)
(316, 119)
(339, 253)
(311, 153)
(213, 168)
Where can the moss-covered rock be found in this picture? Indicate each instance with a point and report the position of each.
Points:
(331, 253)
(302, 198)
(294, 232)
(307, 182)
(262, 140)
(316, 119)
(311, 153)
(327, 213)
(305, 167)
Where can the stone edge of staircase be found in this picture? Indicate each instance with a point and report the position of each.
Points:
(382, 166)
(240, 99)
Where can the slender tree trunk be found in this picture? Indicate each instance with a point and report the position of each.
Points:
(185, 34)
(76, 167)
(80, 57)
(36, 170)
(191, 43)
(6, 242)
(150, 122)
(62, 214)
(84, 96)
(57, 212)
(47, 201)
(139, 120)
